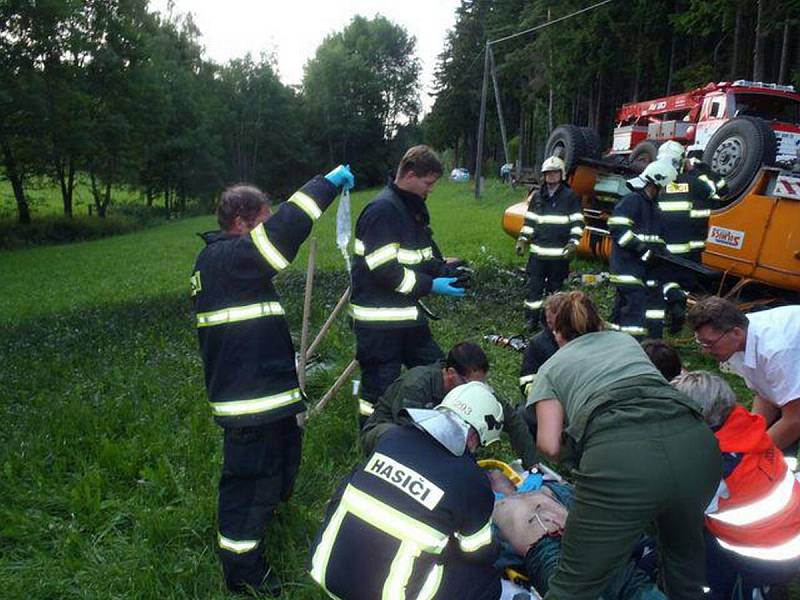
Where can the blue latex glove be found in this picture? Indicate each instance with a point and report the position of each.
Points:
(444, 285)
(341, 177)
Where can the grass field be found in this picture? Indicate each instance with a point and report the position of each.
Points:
(109, 457)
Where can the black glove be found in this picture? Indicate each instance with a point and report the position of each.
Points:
(464, 277)
(677, 316)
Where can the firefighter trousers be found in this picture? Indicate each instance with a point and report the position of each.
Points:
(639, 309)
(634, 472)
(545, 277)
(382, 353)
(258, 472)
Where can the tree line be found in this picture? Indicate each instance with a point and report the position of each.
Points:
(109, 91)
(581, 69)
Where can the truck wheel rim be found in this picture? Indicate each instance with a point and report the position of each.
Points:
(728, 155)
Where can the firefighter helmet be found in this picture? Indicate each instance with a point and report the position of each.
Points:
(554, 164)
(475, 404)
(671, 150)
(659, 172)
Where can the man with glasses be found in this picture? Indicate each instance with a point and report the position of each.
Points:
(762, 347)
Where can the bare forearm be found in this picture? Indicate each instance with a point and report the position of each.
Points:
(784, 432)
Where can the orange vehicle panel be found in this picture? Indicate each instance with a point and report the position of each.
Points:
(757, 237)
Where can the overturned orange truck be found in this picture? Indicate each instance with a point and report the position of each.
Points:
(748, 132)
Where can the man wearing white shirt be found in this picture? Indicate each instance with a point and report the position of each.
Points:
(762, 347)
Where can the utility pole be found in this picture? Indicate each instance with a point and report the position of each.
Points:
(482, 124)
(499, 105)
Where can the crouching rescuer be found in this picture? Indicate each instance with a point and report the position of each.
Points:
(415, 521)
(249, 363)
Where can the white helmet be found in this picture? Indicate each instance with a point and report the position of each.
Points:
(554, 164)
(671, 150)
(659, 172)
(475, 404)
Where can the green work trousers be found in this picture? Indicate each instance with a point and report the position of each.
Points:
(633, 473)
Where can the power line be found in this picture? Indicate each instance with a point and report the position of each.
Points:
(553, 22)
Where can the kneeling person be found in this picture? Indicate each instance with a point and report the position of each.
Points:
(425, 386)
(416, 520)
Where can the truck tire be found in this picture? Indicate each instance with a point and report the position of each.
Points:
(591, 143)
(643, 154)
(738, 149)
(566, 142)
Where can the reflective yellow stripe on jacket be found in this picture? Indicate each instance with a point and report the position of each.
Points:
(415, 537)
(235, 314)
(237, 408)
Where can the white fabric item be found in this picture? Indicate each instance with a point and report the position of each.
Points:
(509, 591)
(770, 362)
(443, 426)
(344, 227)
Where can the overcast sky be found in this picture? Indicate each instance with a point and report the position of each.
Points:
(293, 29)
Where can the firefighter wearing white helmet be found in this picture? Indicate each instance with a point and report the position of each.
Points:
(636, 232)
(551, 232)
(675, 205)
(415, 520)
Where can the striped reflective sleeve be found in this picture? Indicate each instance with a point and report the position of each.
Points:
(235, 314)
(409, 281)
(654, 314)
(576, 231)
(779, 552)
(619, 221)
(776, 500)
(697, 244)
(545, 251)
(379, 314)
(533, 305)
(365, 409)
(625, 238)
(675, 206)
(307, 204)
(625, 279)
(237, 408)
(679, 248)
(477, 540)
(576, 217)
(358, 247)
(526, 231)
(236, 546)
(382, 255)
(270, 253)
(552, 219)
(700, 213)
(407, 256)
(526, 379)
(432, 583)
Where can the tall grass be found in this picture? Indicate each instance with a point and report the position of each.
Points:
(108, 455)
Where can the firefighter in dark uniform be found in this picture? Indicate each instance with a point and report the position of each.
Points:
(706, 190)
(635, 227)
(552, 231)
(675, 205)
(249, 363)
(426, 386)
(685, 207)
(415, 521)
(397, 262)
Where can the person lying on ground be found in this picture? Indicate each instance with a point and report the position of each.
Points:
(753, 522)
(425, 386)
(530, 522)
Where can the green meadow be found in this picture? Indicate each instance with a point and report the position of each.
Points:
(108, 455)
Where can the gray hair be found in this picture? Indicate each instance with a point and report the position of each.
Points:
(711, 392)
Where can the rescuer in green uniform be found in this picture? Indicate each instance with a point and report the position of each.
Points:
(426, 386)
(644, 455)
